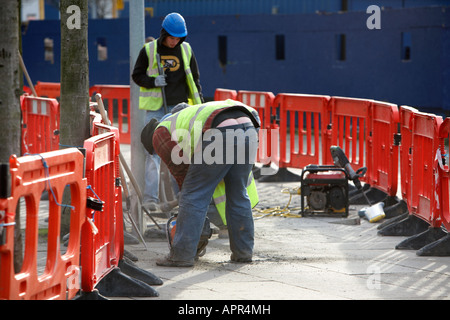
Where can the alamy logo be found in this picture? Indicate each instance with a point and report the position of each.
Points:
(374, 21)
(234, 146)
(74, 21)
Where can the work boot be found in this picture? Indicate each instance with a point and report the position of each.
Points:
(167, 262)
(233, 258)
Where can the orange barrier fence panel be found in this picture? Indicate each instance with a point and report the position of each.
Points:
(40, 124)
(116, 95)
(30, 177)
(307, 116)
(224, 94)
(406, 115)
(99, 253)
(351, 126)
(383, 171)
(443, 167)
(263, 103)
(48, 89)
(425, 144)
(100, 128)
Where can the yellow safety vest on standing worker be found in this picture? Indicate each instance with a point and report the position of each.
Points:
(185, 123)
(151, 99)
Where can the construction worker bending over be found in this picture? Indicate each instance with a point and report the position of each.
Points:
(202, 146)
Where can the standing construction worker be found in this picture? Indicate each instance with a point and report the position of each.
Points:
(203, 146)
(180, 83)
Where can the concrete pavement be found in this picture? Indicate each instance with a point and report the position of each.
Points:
(302, 258)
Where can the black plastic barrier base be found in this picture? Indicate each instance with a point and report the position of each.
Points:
(422, 239)
(94, 295)
(282, 175)
(398, 208)
(373, 194)
(440, 248)
(409, 226)
(129, 268)
(118, 284)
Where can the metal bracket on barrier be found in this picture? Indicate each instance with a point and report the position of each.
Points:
(397, 139)
(2, 229)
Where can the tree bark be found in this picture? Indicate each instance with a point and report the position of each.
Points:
(74, 101)
(10, 100)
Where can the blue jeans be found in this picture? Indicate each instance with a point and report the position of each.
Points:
(196, 193)
(152, 163)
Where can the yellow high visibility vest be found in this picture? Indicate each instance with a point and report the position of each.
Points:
(184, 120)
(151, 99)
(220, 198)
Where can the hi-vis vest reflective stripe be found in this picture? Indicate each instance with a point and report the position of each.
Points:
(186, 125)
(151, 99)
(184, 121)
(220, 198)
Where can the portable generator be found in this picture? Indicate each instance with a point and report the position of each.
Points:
(325, 190)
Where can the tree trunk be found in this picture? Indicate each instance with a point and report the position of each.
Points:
(10, 98)
(74, 81)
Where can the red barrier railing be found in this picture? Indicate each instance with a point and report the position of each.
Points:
(383, 166)
(102, 245)
(307, 117)
(406, 114)
(40, 124)
(224, 94)
(121, 96)
(424, 146)
(444, 174)
(351, 127)
(30, 176)
(263, 103)
(48, 89)
(101, 128)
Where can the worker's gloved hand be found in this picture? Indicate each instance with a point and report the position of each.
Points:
(160, 81)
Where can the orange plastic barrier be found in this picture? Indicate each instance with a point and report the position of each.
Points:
(48, 89)
(406, 115)
(383, 162)
(263, 103)
(224, 94)
(30, 176)
(102, 242)
(444, 174)
(308, 116)
(351, 127)
(40, 124)
(424, 146)
(27, 90)
(119, 95)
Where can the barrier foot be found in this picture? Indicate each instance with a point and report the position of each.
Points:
(134, 271)
(393, 220)
(118, 284)
(130, 256)
(422, 239)
(407, 227)
(283, 175)
(440, 248)
(373, 194)
(94, 295)
(352, 190)
(395, 210)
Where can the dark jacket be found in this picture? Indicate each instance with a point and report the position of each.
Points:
(176, 90)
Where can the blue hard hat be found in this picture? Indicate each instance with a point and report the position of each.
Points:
(175, 25)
